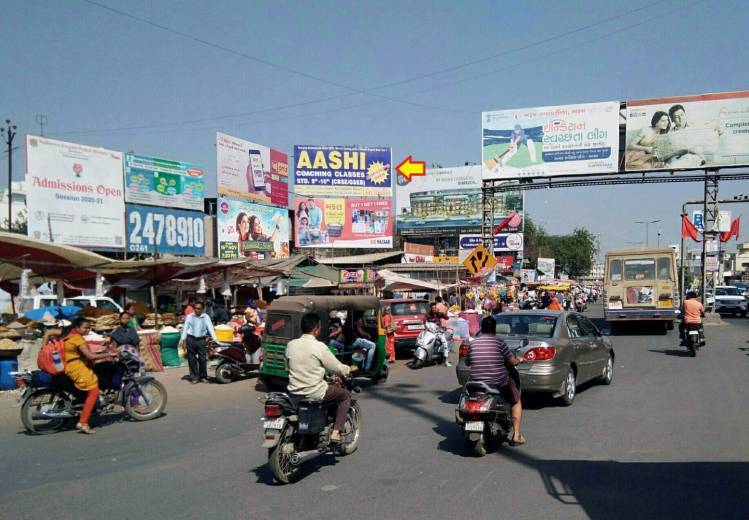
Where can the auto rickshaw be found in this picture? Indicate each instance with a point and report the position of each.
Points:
(284, 322)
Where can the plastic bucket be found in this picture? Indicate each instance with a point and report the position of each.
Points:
(7, 381)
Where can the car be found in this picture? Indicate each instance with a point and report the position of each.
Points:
(100, 302)
(729, 300)
(561, 350)
(408, 317)
(30, 303)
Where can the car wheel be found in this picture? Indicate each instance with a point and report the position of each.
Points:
(570, 388)
(743, 314)
(608, 371)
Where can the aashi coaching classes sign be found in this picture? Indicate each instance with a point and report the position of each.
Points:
(251, 171)
(343, 171)
(164, 230)
(160, 182)
(703, 131)
(448, 199)
(246, 229)
(75, 194)
(550, 141)
(343, 223)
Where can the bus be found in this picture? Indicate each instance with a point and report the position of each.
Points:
(641, 285)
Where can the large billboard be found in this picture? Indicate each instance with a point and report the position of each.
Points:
(503, 242)
(159, 182)
(447, 199)
(343, 171)
(75, 194)
(247, 229)
(703, 131)
(343, 223)
(165, 230)
(550, 141)
(251, 171)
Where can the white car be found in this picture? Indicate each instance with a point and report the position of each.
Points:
(100, 302)
(729, 300)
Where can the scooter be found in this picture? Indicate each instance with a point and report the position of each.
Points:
(429, 348)
(238, 360)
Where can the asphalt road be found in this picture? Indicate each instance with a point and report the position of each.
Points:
(669, 439)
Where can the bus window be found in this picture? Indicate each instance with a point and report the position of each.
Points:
(615, 270)
(641, 269)
(664, 268)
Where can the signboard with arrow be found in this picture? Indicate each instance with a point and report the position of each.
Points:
(480, 260)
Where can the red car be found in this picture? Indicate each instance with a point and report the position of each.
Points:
(408, 317)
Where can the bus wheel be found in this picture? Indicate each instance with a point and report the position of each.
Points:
(670, 325)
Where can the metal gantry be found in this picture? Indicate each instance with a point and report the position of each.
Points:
(710, 236)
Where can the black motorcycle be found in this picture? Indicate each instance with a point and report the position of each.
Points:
(298, 430)
(52, 403)
(693, 337)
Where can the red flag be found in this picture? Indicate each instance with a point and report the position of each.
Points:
(513, 219)
(733, 232)
(688, 229)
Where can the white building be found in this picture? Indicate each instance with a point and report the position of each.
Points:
(18, 202)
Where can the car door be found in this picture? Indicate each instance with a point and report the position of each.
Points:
(579, 346)
(597, 353)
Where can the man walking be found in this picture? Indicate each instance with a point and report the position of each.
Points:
(197, 326)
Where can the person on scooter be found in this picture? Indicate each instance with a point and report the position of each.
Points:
(692, 313)
(308, 358)
(438, 317)
(487, 357)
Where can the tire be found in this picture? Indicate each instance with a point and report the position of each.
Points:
(353, 429)
(279, 461)
(692, 348)
(608, 371)
(669, 325)
(478, 448)
(139, 408)
(382, 376)
(570, 388)
(40, 398)
(223, 374)
(743, 314)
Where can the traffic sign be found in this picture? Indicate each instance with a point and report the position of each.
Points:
(479, 260)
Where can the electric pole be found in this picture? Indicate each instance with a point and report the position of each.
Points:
(41, 120)
(8, 134)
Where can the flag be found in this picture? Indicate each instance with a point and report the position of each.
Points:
(688, 229)
(513, 219)
(733, 232)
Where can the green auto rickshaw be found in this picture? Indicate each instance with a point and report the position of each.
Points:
(283, 324)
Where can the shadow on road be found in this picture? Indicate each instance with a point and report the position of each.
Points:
(671, 352)
(264, 475)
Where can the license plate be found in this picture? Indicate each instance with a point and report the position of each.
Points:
(665, 304)
(474, 426)
(415, 327)
(617, 305)
(275, 424)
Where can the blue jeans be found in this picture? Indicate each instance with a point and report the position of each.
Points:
(367, 346)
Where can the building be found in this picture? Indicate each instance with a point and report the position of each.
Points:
(18, 203)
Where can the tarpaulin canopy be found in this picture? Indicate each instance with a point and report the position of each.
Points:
(391, 281)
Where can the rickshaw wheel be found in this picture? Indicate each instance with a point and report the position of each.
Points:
(382, 376)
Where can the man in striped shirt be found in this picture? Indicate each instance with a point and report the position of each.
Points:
(487, 357)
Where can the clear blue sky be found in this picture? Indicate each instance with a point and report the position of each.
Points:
(90, 71)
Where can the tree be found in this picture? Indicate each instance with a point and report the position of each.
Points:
(19, 225)
(573, 253)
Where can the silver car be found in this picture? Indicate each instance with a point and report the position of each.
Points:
(561, 350)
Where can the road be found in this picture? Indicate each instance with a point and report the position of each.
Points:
(669, 439)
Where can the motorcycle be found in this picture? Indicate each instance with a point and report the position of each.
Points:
(693, 337)
(297, 430)
(52, 403)
(484, 416)
(238, 360)
(429, 345)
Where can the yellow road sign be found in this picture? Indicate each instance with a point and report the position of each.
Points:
(479, 260)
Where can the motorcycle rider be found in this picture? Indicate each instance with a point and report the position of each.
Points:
(487, 357)
(308, 358)
(692, 314)
(436, 316)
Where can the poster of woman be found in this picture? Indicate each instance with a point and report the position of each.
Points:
(246, 229)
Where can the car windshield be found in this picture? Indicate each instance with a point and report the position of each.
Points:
(408, 308)
(727, 291)
(514, 324)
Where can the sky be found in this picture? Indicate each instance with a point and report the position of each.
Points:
(162, 77)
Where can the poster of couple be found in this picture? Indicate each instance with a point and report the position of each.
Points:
(343, 223)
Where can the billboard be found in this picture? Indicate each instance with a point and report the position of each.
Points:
(502, 242)
(343, 223)
(550, 141)
(164, 230)
(247, 229)
(447, 199)
(75, 194)
(545, 268)
(703, 131)
(159, 182)
(251, 171)
(343, 171)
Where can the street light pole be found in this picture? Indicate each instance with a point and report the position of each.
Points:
(647, 229)
(8, 135)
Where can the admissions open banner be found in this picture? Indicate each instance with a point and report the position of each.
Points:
(343, 171)
(550, 141)
(251, 171)
(246, 229)
(75, 194)
(159, 182)
(343, 223)
(688, 132)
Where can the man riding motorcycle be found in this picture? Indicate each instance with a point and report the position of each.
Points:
(692, 314)
(308, 358)
(436, 316)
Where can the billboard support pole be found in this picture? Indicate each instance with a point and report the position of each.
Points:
(710, 223)
(681, 256)
(8, 135)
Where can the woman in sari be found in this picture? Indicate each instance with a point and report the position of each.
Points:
(642, 152)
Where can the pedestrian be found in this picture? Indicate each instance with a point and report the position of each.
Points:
(389, 326)
(190, 307)
(197, 327)
(133, 323)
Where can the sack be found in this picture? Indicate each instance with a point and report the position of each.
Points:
(51, 357)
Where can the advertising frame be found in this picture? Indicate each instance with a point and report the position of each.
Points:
(153, 181)
(234, 242)
(153, 229)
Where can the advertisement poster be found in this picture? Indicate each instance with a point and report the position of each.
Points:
(343, 171)
(550, 141)
(688, 132)
(545, 269)
(159, 182)
(698, 219)
(356, 276)
(246, 229)
(527, 275)
(502, 242)
(343, 223)
(75, 195)
(251, 171)
(505, 262)
(447, 199)
(165, 230)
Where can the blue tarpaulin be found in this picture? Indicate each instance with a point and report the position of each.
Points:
(58, 311)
